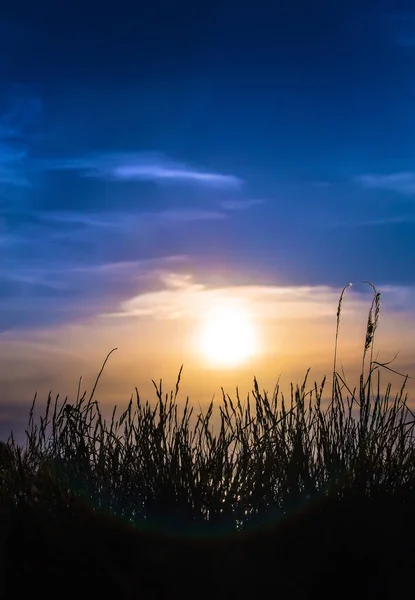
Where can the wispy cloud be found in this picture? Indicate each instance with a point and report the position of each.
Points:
(114, 220)
(182, 297)
(141, 166)
(65, 291)
(395, 220)
(180, 215)
(291, 312)
(143, 267)
(389, 221)
(42, 250)
(240, 204)
(87, 219)
(401, 183)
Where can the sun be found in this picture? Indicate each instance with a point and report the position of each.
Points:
(228, 337)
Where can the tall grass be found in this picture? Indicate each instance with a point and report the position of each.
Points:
(271, 456)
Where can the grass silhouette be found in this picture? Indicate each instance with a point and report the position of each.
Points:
(289, 498)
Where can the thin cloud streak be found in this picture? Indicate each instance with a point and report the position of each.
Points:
(189, 215)
(146, 266)
(401, 183)
(240, 204)
(127, 220)
(141, 166)
(65, 291)
(89, 220)
(391, 221)
(398, 220)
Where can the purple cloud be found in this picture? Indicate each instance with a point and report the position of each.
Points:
(141, 166)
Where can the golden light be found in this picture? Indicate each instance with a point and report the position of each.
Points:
(228, 337)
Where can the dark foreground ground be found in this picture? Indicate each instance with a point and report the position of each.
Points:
(359, 548)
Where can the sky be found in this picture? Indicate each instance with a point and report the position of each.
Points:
(175, 174)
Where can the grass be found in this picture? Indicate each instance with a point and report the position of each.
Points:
(307, 497)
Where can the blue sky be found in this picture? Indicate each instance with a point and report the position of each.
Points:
(232, 143)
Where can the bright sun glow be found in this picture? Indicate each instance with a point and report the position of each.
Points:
(228, 336)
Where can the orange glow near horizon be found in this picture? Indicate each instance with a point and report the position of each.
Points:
(223, 337)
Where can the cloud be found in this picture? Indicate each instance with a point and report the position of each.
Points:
(189, 215)
(129, 220)
(389, 221)
(397, 220)
(295, 320)
(41, 251)
(84, 278)
(128, 267)
(141, 166)
(182, 297)
(240, 204)
(87, 219)
(401, 183)
(38, 292)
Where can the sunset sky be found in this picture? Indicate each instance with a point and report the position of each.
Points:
(194, 183)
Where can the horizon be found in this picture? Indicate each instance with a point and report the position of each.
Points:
(195, 185)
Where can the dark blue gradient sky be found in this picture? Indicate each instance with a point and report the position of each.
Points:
(268, 141)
